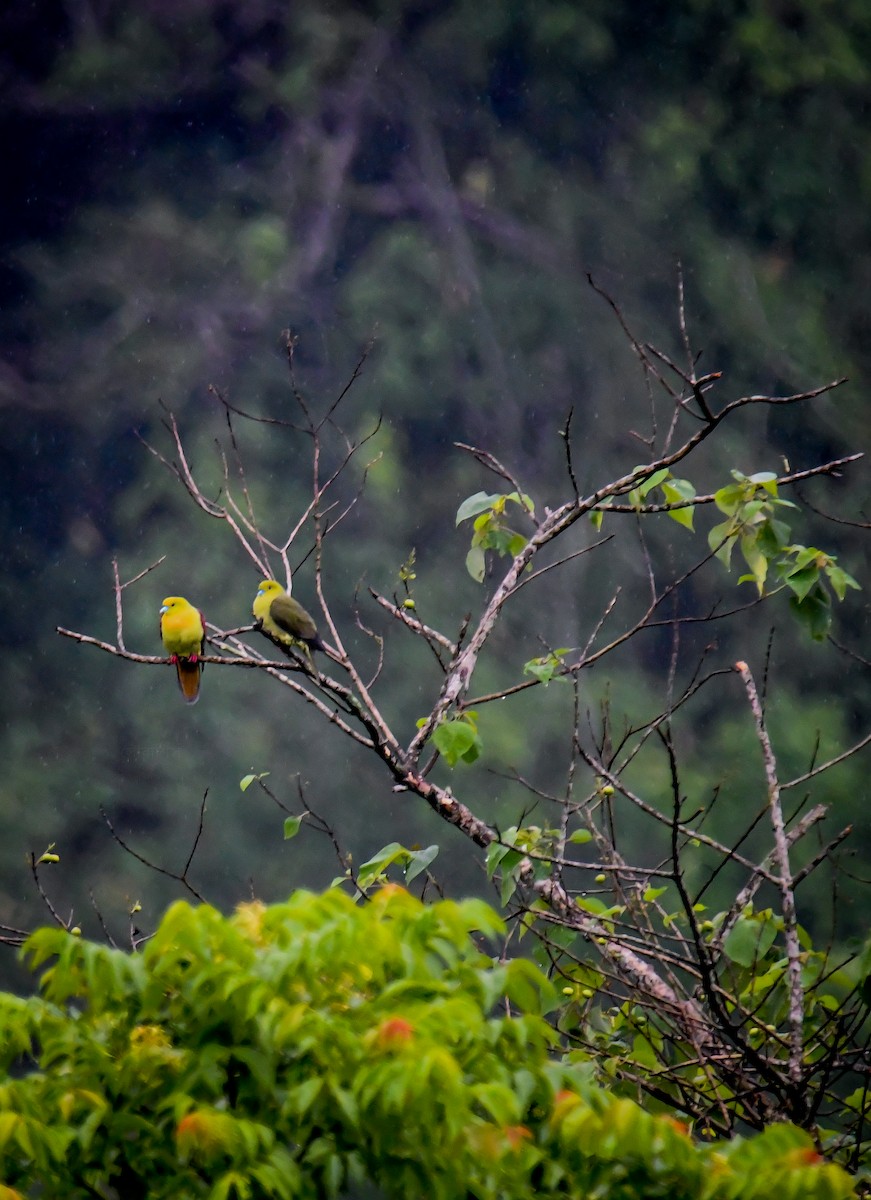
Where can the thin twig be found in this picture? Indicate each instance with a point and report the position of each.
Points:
(182, 879)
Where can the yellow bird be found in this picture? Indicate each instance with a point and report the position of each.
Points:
(183, 630)
(285, 618)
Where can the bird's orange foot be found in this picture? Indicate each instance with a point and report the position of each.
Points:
(194, 658)
(173, 658)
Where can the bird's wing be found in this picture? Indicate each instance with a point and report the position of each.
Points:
(290, 616)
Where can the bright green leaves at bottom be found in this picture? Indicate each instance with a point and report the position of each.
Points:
(321, 1047)
(490, 530)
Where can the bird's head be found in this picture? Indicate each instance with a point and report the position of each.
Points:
(172, 602)
(269, 587)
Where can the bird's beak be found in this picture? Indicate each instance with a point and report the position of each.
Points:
(163, 608)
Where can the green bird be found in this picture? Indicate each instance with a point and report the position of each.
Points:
(285, 618)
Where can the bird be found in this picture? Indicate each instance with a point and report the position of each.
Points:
(284, 618)
(183, 629)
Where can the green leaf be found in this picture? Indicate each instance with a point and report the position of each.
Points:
(728, 498)
(473, 505)
(636, 496)
(507, 887)
(245, 783)
(457, 740)
(683, 516)
(773, 537)
(498, 1101)
(755, 560)
(814, 612)
(544, 668)
(528, 988)
(391, 853)
(523, 500)
(580, 837)
(476, 564)
(482, 525)
(418, 861)
(725, 529)
(654, 481)
(749, 940)
(767, 479)
(680, 489)
(292, 827)
(496, 851)
(840, 581)
(801, 579)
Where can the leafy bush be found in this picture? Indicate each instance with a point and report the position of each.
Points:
(303, 1049)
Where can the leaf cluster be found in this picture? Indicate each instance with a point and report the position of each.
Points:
(304, 1049)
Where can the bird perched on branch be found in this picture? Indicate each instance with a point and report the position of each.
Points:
(183, 630)
(285, 618)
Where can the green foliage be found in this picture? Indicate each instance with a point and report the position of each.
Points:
(626, 1041)
(304, 1049)
(457, 738)
(548, 666)
(373, 872)
(750, 504)
(511, 856)
(491, 532)
(179, 244)
(673, 490)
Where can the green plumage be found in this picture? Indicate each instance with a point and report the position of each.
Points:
(285, 618)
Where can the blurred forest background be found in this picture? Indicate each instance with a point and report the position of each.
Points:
(184, 179)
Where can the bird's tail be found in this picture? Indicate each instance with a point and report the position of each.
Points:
(189, 678)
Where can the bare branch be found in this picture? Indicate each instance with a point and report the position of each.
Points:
(832, 762)
(56, 917)
(413, 623)
(566, 435)
(785, 880)
(488, 460)
(179, 878)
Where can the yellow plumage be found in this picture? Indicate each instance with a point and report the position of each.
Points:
(285, 618)
(183, 631)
